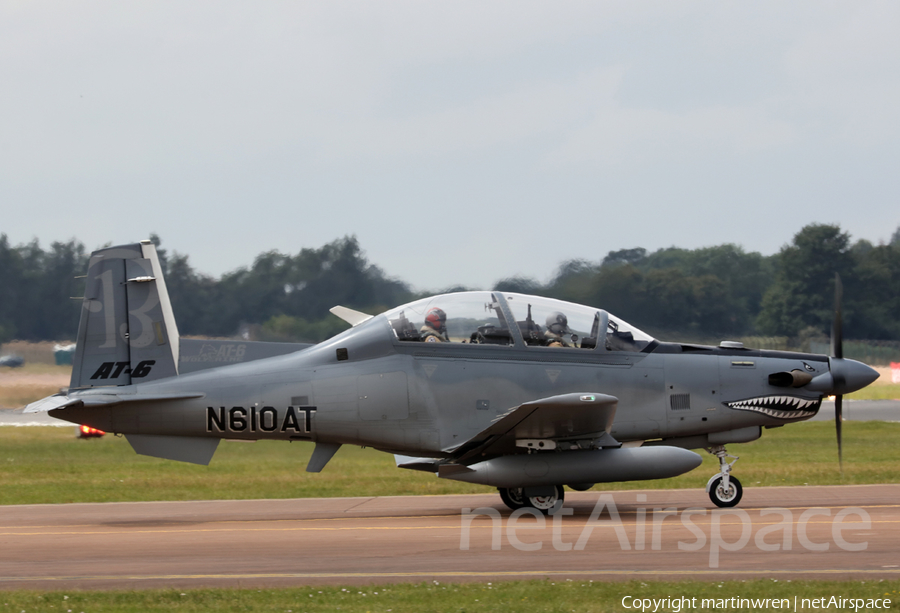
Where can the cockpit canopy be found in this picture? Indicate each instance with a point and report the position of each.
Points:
(483, 318)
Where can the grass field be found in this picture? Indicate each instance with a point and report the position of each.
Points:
(48, 465)
(878, 391)
(508, 597)
(882, 389)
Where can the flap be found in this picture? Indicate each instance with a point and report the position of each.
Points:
(565, 417)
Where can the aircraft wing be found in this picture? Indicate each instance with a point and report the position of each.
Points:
(564, 418)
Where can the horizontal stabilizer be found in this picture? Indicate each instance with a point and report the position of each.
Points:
(56, 401)
(193, 449)
(61, 401)
(565, 417)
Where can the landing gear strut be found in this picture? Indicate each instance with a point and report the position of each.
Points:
(723, 489)
(514, 498)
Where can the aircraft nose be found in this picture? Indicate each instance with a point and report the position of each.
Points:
(850, 375)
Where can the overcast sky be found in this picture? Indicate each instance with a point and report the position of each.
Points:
(461, 142)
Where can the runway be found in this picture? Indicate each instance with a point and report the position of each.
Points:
(649, 534)
(861, 410)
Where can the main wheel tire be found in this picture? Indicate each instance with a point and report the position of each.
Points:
(545, 504)
(512, 497)
(726, 499)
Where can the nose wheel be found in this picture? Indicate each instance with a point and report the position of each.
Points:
(723, 489)
(725, 494)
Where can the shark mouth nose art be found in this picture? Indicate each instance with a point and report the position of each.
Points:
(779, 407)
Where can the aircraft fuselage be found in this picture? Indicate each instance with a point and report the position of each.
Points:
(422, 398)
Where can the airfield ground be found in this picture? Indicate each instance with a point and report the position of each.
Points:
(49, 465)
(367, 539)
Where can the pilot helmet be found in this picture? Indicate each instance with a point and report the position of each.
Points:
(436, 319)
(558, 323)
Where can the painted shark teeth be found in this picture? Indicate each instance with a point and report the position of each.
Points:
(779, 407)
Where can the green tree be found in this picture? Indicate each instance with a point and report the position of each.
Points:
(38, 287)
(803, 292)
(573, 282)
(635, 257)
(196, 299)
(518, 284)
(284, 328)
(746, 277)
(61, 290)
(621, 291)
(876, 299)
(11, 269)
(303, 286)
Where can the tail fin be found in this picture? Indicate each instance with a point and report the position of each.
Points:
(127, 332)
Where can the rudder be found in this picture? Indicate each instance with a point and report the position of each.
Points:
(127, 333)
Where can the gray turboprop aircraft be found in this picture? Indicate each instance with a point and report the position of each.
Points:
(523, 393)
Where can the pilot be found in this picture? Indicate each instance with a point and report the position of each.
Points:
(435, 328)
(557, 325)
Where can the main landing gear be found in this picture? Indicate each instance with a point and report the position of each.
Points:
(514, 498)
(723, 489)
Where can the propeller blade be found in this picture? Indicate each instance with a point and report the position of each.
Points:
(837, 335)
(837, 351)
(838, 418)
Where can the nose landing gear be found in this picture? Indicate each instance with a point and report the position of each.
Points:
(723, 489)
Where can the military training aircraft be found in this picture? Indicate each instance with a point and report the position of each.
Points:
(522, 393)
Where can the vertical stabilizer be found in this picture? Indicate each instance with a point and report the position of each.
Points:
(127, 332)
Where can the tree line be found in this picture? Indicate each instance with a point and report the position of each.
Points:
(699, 293)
